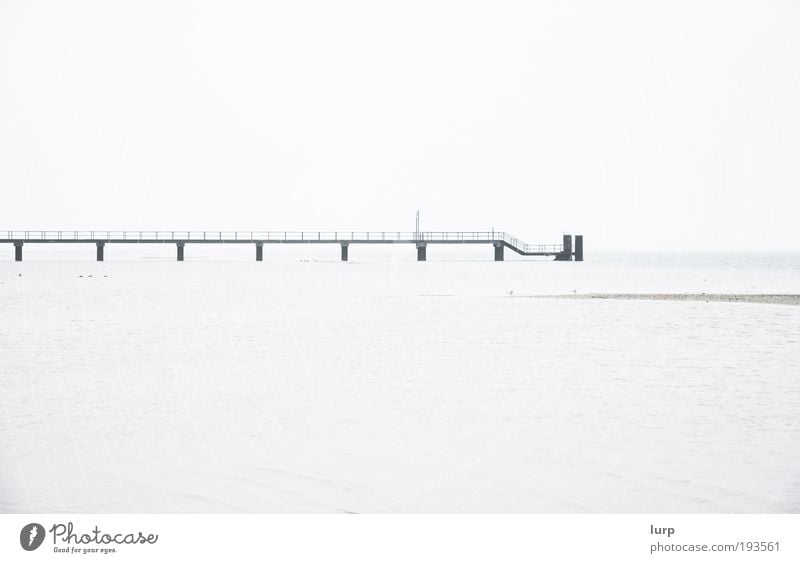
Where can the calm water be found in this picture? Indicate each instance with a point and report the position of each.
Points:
(385, 385)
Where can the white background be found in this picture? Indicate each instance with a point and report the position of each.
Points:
(396, 538)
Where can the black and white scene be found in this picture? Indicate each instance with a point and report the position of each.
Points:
(399, 257)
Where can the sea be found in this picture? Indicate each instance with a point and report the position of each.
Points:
(386, 385)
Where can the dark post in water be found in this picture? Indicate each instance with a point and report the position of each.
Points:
(579, 248)
(421, 251)
(180, 251)
(345, 245)
(18, 251)
(259, 251)
(100, 246)
(498, 251)
(566, 252)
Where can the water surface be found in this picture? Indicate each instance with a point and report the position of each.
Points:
(386, 385)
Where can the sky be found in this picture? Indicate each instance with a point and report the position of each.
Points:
(641, 125)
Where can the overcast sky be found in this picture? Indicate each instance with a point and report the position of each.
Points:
(670, 125)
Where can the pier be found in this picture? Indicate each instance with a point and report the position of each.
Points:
(499, 240)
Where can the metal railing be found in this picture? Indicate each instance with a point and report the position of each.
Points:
(286, 236)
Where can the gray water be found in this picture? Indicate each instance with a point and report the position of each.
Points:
(302, 384)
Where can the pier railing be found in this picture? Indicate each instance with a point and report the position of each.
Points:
(283, 236)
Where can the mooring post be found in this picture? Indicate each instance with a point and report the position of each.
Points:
(345, 245)
(568, 246)
(566, 251)
(180, 251)
(579, 248)
(18, 251)
(498, 251)
(421, 251)
(259, 251)
(100, 246)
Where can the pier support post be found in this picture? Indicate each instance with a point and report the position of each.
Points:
(180, 251)
(422, 251)
(100, 246)
(566, 252)
(345, 246)
(568, 246)
(259, 251)
(18, 251)
(579, 248)
(498, 251)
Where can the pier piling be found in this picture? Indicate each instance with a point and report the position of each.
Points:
(259, 251)
(345, 246)
(579, 248)
(422, 251)
(566, 254)
(18, 251)
(498, 251)
(100, 246)
(180, 251)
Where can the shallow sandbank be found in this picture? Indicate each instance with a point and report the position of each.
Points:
(768, 298)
